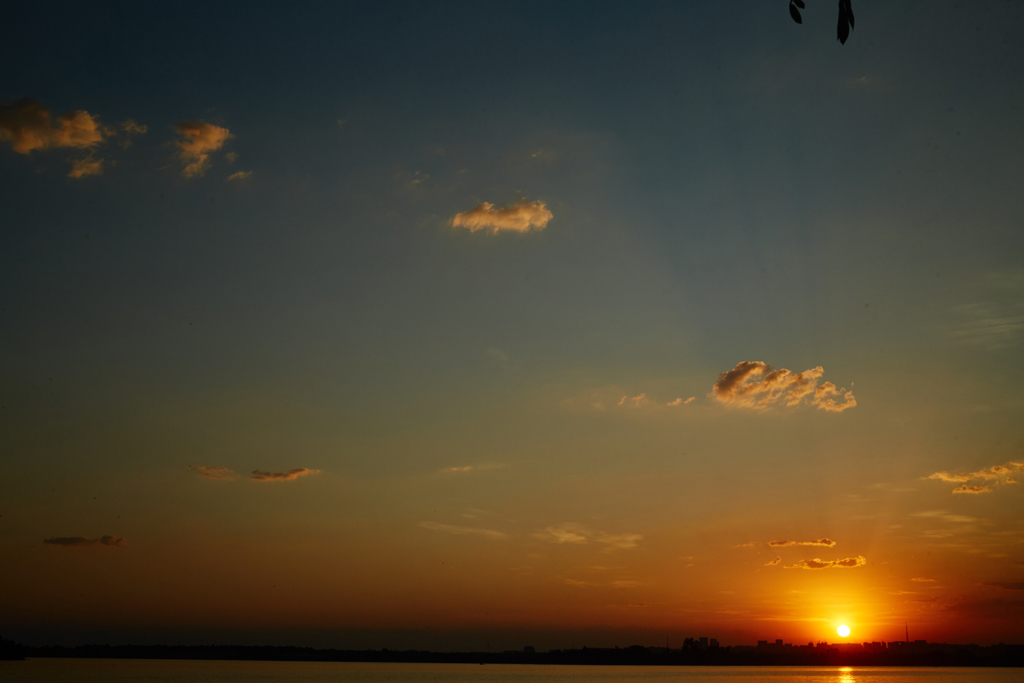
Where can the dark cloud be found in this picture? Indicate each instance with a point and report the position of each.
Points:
(777, 560)
(82, 541)
(1009, 586)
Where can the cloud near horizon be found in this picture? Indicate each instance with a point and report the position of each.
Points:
(83, 542)
(28, 126)
(290, 475)
(1005, 585)
(753, 384)
(824, 542)
(217, 473)
(521, 216)
(680, 402)
(464, 530)
(201, 140)
(846, 563)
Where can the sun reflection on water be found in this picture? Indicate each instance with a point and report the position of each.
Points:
(846, 675)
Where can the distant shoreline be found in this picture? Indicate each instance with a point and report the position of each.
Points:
(941, 655)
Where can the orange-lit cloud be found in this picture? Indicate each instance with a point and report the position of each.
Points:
(965, 488)
(847, 563)
(83, 542)
(290, 475)
(634, 401)
(27, 125)
(218, 473)
(774, 562)
(83, 167)
(201, 140)
(997, 473)
(239, 175)
(680, 401)
(463, 530)
(753, 384)
(824, 542)
(1009, 586)
(918, 580)
(522, 216)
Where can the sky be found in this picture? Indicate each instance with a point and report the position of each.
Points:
(481, 325)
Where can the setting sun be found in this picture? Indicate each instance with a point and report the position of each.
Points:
(843, 631)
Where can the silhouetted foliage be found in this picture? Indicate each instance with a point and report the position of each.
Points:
(845, 17)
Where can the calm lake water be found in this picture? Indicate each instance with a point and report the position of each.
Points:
(131, 671)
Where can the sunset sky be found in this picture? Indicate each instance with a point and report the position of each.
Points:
(468, 325)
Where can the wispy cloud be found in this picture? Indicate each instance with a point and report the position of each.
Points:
(619, 541)
(86, 167)
(565, 533)
(774, 562)
(946, 516)
(129, 129)
(634, 401)
(290, 475)
(824, 542)
(522, 216)
(846, 563)
(1009, 586)
(920, 580)
(753, 384)
(238, 175)
(463, 530)
(995, 318)
(580, 535)
(681, 402)
(201, 139)
(83, 542)
(466, 469)
(217, 473)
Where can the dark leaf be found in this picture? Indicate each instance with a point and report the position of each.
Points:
(798, 3)
(849, 10)
(795, 13)
(843, 30)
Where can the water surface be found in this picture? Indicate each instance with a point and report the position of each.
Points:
(133, 671)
